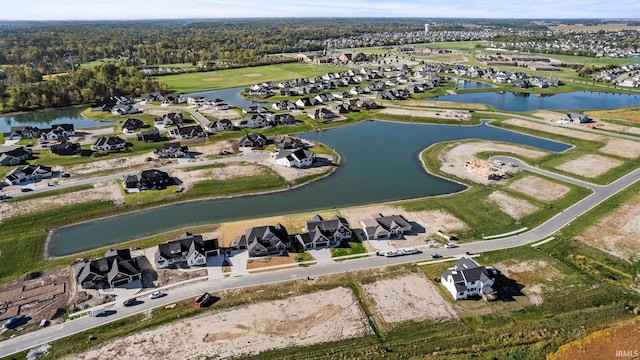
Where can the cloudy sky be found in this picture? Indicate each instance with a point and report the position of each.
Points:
(175, 9)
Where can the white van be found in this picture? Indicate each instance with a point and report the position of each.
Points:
(97, 311)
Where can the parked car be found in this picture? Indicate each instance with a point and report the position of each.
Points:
(130, 302)
(203, 300)
(435, 256)
(4, 197)
(12, 321)
(64, 174)
(26, 189)
(156, 294)
(392, 253)
(410, 251)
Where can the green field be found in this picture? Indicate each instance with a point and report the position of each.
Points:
(222, 79)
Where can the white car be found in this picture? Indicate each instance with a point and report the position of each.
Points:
(156, 294)
(450, 245)
(410, 251)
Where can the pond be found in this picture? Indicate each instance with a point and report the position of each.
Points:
(46, 118)
(231, 96)
(511, 101)
(379, 163)
(462, 84)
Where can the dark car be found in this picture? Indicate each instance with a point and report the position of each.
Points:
(436, 256)
(26, 189)
(203, 300)
(12, 321)
(130, 302)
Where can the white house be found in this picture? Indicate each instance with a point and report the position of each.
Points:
(27, 173)
(112, 143)
(385, 227)
(467, 278)
(295, 158)
(575, 117)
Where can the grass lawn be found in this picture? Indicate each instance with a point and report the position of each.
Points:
(222, 79)
(348, 248)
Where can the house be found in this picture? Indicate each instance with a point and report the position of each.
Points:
(187, 132)
(171, 99)
(219, 125)
(366, 104)
(575, 117)
(151, 135)
(66, 149)
(467, 278)
(255, 109)
(27, 173)
(252, 140)
(171, 150)
(284, 119)
(111, 143)
(322, 114)
(290, 143)
(131, 125)
(116, 268)
(263, 241)
(10, 155)
(300, 158)
(151, 179)
(172, 118)
(58, 132)
(188, 248)
(124, 109)
(254, 121)
(385, 227)
(319, 232)
(22, 132)
(284, 105)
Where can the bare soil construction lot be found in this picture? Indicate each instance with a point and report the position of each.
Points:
(454, 156)
(590, 166)
(429, 113)
(514, 207)
(409, 298)
(621, 147)
(556, 129)
(618, 232)
(539, 188)
(303, 320)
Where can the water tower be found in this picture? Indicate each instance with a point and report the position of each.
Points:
(426, 28)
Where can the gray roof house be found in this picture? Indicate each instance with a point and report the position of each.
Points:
(252, 140)
(117, 267)
(188, 249)
(300, 158)
(467, 278)
(111, 143)
(575, 117)
(385, 227)
(171, 150)
(263, 241)
(319, 232)
(27, 173)
(10, 155)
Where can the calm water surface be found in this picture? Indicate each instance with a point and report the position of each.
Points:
(379, 163)
(579, 100)
(230, 96)
(46, 118)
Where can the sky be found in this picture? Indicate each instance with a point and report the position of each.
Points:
(190, 9)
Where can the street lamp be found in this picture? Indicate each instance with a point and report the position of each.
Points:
(70, 59)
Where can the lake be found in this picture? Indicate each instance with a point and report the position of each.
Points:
(467, 84)
(46, 118)
(578, 100)
(379, 163)
(230, 96)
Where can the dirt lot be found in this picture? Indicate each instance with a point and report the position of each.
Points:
(618, 232)
(534, 275)
(409, 298)
(604, 344)
(621, 147)
(455, 155)
(556, 129)
(539, 188)
(434, 114)
(299, 321)
(130, 163)
(514, 207)
(445, 104)
(590, 165)
(189, 178)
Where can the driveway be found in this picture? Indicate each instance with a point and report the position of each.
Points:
(382, 245)
(214, 267)
(238, 260)
(323, 255)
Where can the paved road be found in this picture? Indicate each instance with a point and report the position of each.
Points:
(191, 290)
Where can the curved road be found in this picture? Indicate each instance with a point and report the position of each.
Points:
(600, 194)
